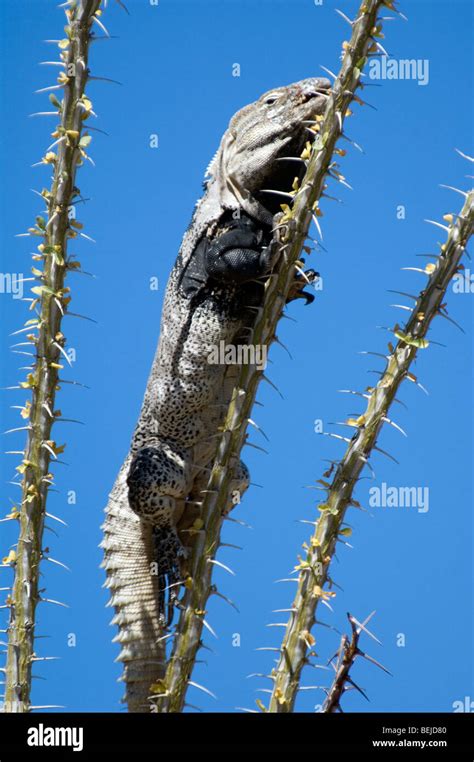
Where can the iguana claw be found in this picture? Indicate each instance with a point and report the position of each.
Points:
(168, 551)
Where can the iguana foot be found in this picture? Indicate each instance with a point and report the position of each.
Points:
(299, 283)
(168, 552)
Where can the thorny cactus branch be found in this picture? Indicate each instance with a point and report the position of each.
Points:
(314, 569)
(50, 303)
(169, 693)
(345, 657)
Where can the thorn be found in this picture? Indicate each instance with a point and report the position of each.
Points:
(446, 317)
(337, 176)
(265, 378)
(395, 426)
(83, 317)
(74, 383)
(456, 190)
(50, 600)
(294, 158)
(60, 521)
(402, 293)
(105, 79)
(238, 521)
(101, 25)
(438, 225)
(350, 391)
(381, 49)
(374, 354)
(96, 129)
(379, 449)
(401, 307)
(224, 598)
(268, 648)
(352, 142)
(277, 340)
(343, 15)
(335, 436)
(464, 155)
(278, 193)
(260, 674)
(53, 561)
(350, 680)
(222, 566)
(63, 352)
(360, 626)
(202, 688)
(365, 460)
(45, 658)
(44, 113)
(374, 661)
(256, 447)
(208, 627)
(252, 423)
(328, 71)
(417, 383)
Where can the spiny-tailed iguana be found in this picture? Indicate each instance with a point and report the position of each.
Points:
(213, 287)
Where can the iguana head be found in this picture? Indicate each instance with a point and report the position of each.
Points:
(258, 136)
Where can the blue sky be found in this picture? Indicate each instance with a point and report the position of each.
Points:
(415, 569)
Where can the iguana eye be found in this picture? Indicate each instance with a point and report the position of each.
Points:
(271, 100)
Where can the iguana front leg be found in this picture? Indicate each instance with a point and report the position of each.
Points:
(238, 256)
(240, 253)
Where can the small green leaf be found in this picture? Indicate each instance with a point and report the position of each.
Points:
(40, 290)
(54, 101)
(412, 341)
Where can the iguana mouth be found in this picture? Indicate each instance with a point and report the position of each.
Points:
(314, 89)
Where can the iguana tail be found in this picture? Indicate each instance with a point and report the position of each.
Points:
(128, 553)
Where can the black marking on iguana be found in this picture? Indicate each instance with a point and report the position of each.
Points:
(218, 276)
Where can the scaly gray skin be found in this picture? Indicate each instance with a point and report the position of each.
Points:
(209, 298)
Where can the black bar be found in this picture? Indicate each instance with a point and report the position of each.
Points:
(99, 735)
